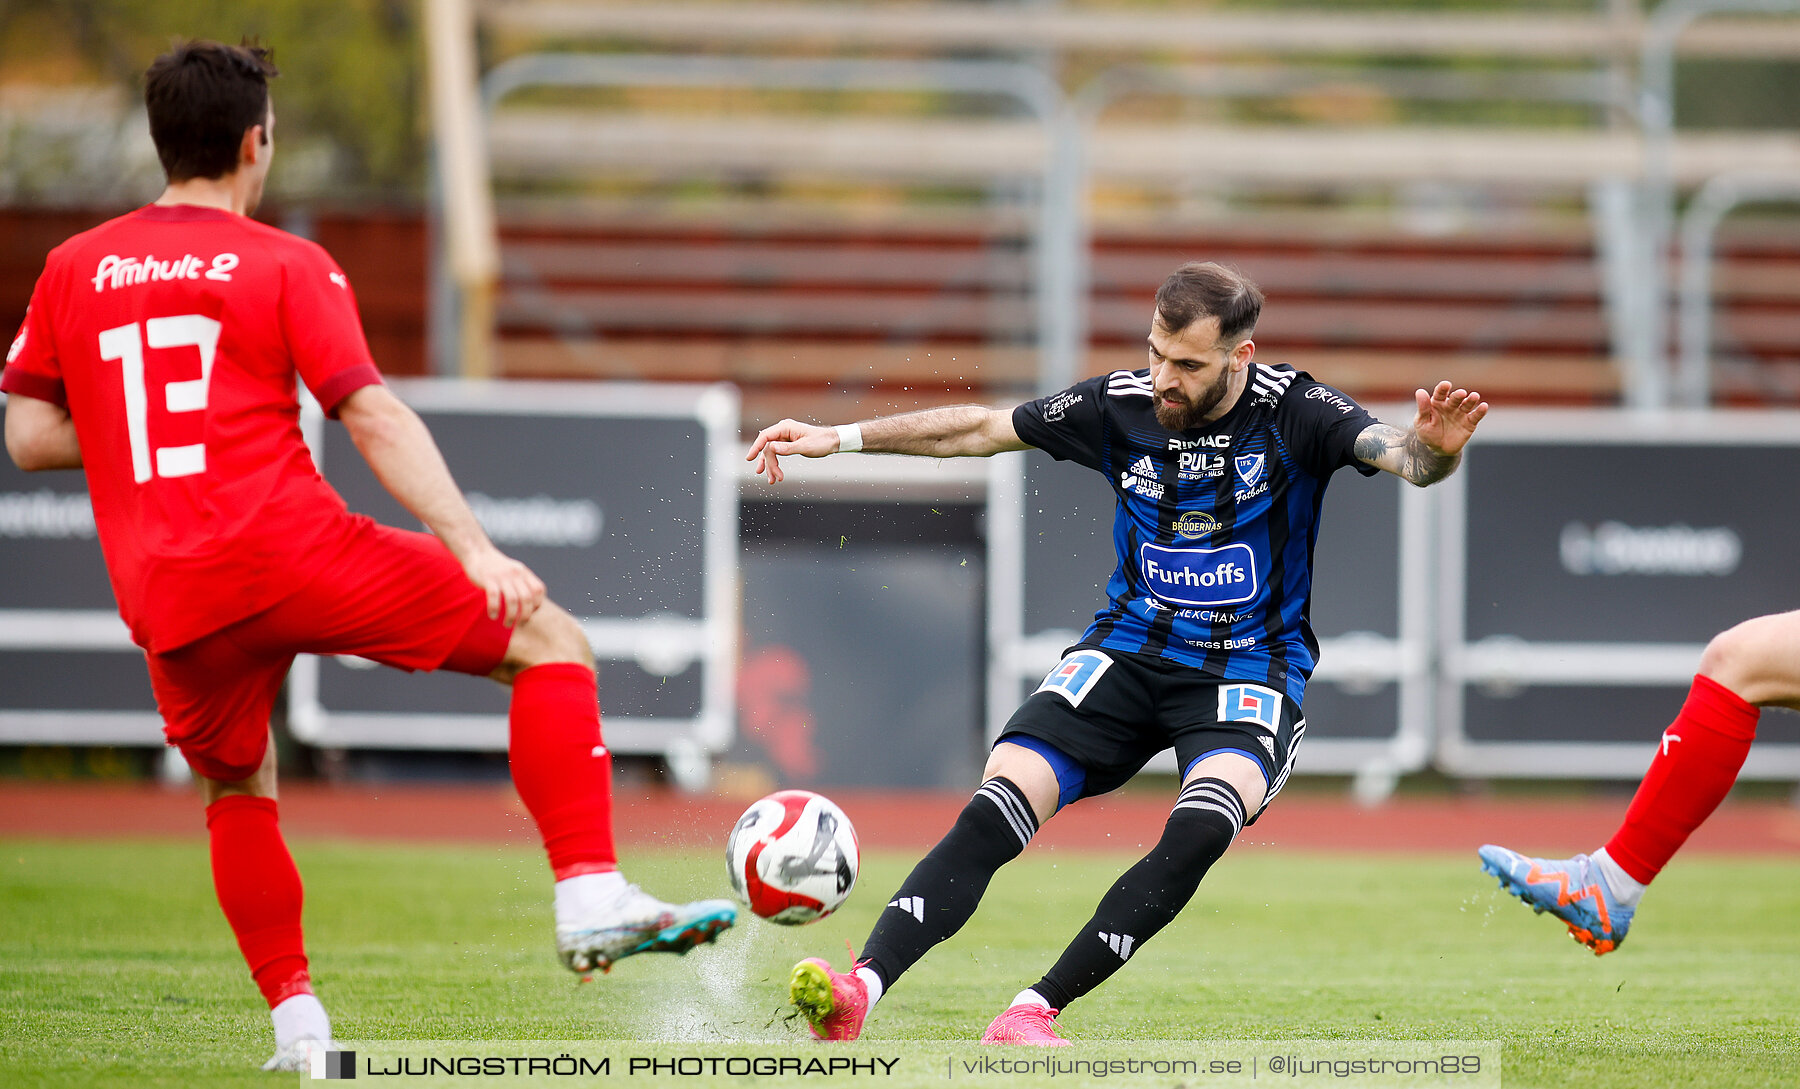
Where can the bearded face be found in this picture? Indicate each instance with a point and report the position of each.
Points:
(1179, 411)
(1193, 373)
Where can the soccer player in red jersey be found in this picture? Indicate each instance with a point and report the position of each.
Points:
(159, 354)
(1751, 666)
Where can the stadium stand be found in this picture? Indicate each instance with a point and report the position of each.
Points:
(834, 315)
(837, 320)
(862, 320)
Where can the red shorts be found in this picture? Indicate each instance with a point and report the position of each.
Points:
(394, 596)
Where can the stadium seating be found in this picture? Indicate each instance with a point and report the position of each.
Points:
(858, 320)
(838, 320)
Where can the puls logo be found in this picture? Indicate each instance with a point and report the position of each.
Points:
(1141, 478)
(1200, 465)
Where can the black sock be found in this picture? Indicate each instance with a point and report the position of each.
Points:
(1148, 896)
(942, 891)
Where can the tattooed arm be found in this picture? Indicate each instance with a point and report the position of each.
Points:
(1428, 451)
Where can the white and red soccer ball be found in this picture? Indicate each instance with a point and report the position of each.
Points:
(793, 857)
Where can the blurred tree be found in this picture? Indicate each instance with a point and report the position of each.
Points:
(348, 96)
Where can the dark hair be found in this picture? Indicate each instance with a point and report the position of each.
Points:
(202, 97)
(1206, 289)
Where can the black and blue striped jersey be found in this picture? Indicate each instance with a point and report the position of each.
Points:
(1214, 527)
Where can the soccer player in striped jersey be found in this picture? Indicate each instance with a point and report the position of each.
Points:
(1219, 465)
(1749, 667)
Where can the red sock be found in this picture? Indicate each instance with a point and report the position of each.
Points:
(260, 891)
(561, 768)
(1694, 768)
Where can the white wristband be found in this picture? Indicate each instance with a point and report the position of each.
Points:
(849, 438)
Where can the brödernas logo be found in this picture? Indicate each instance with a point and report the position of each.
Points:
(1614, 548)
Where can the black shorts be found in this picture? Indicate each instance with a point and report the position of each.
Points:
(1111, 711)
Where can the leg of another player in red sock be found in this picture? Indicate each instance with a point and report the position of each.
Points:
(560, 766)
(1694, 768)
(1754, 664)
(260, 892)
(563, 773)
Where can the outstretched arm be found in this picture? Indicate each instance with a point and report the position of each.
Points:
(953, 432)
(1428, 451)
(40, 435)
(397, 445)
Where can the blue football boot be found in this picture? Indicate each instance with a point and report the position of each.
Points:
(1572, 889)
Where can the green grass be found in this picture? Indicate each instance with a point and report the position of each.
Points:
(117, 968)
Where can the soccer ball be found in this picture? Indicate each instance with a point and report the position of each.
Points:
(793, 857)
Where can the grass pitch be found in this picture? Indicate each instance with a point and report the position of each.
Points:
(117, 968)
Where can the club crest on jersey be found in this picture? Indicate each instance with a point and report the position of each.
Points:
(1141, 478)
(1076, 675)
(1250, 469)
(1195, 524)
(1250, 703)
(1199, 576)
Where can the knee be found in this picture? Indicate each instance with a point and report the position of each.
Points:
(259, 784)
(1206, 819)
(1194, 839)
(1736, 657)
(551, 635)
(1046, 777)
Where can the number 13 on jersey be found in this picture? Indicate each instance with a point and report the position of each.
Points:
(126, 344)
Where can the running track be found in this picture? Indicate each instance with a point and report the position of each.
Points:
(883, 820)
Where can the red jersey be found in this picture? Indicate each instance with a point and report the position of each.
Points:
(173, 335)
